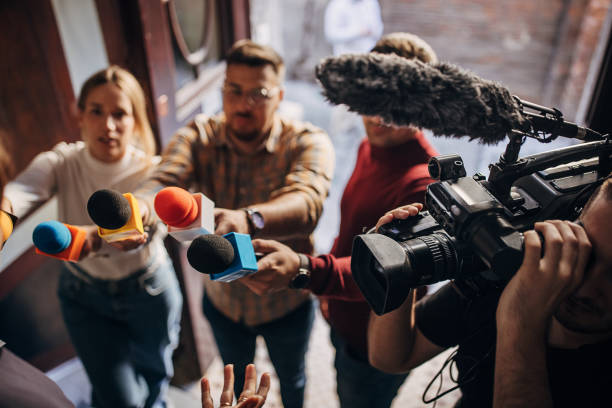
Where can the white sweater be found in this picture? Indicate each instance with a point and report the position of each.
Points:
(71, 173)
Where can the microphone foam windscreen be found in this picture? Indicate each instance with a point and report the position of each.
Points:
(210, 254)
(6, 226)
(51, 237)
(109, 209)
(176, 207)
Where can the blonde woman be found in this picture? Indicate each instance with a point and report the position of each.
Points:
(121, 308)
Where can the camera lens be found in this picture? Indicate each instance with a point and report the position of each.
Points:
(431, 258)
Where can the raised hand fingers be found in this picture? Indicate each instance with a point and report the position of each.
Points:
(264, 385)
(227, 395)
(207, 401)
(248, 395)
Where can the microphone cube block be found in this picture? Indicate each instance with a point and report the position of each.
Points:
(203, 224)
(244, 263)
(132, 228)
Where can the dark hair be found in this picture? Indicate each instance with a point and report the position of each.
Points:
(407, 46)
(250, 53)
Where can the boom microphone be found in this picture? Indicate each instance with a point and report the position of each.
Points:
(224, 258)
(441, 97)
(116, 215)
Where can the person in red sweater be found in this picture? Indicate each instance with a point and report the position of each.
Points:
(391, 170)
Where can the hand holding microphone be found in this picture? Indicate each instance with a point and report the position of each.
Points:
(225, 258)
(118, 218)
(187, 215)
(64, 241)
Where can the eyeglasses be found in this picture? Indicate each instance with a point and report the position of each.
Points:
(255, 97)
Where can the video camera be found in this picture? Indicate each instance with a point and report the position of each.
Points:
(473, 226)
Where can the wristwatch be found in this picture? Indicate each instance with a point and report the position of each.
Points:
(255, 219)
(302, 277)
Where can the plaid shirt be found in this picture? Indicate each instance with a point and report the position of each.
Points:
(297, 157)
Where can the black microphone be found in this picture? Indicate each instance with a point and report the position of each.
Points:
(224, 258)
(441, 97)
(116, 215)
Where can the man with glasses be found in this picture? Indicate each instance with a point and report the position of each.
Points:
(268, 177)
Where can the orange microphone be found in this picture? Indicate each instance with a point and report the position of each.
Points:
(116, 215)
(7, 223)
(58, 240)
(187, 215)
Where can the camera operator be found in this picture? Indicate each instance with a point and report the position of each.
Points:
(544, 340)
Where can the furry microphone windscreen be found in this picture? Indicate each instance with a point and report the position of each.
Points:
(441, 97)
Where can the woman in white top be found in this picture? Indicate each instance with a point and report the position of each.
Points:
(122, 308)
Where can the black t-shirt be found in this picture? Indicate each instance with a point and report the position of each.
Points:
(578, 377)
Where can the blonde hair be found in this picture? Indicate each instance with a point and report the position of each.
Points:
(406, 45)
(125, 81)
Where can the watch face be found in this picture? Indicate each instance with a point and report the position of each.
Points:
(257, 219)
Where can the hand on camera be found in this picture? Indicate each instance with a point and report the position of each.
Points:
(543, 282)
(230, 221)
(275, 270)
(247, 399)
(401, 213)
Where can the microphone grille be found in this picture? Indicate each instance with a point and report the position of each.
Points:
(210, 254)
(51, 237)
(176, 206)
(109, 209)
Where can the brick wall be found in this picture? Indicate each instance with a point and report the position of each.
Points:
(541, 50)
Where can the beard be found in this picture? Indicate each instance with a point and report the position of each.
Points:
(242, 134)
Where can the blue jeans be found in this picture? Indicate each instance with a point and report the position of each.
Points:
(124, 332)
(360, 384)
(287, 342)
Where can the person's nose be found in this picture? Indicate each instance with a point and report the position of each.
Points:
(110, 123)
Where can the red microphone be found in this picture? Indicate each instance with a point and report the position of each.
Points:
(187, 215)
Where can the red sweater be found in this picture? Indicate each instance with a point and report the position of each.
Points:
(383, 179)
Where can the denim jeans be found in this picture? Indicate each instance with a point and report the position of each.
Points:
(287, 342)
(359, 384)
(124, 332)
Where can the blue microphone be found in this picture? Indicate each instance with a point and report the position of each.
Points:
(58, 240)
(225, 258)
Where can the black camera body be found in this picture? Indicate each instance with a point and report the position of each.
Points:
(473, 226)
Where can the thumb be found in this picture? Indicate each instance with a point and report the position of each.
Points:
(265, 245)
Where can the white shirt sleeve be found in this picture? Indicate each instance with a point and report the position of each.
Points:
(35, 185)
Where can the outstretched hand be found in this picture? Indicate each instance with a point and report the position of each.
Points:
(249, 398)
(275, 270)
(92, 242)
